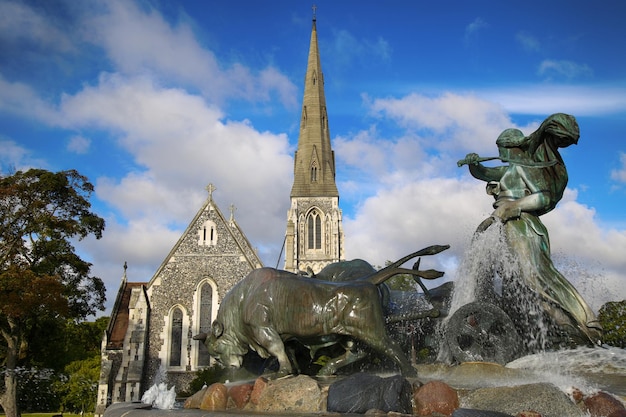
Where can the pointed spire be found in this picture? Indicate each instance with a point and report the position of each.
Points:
(314, 165)
(124, 279)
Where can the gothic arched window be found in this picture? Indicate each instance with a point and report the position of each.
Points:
(314, 230)
(176, 337)
(206, 306)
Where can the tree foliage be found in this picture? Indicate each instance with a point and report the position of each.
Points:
(64, 359)
(207, 376)
(42, 279)
(79, 387)
(612, 316)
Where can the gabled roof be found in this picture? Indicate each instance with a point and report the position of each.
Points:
(243, 244)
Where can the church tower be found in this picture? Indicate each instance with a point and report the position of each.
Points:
(314, 236)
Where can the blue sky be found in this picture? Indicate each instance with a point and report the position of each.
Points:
(153, 100)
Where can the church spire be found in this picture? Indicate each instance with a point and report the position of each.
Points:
(314, 236)
(314, 165)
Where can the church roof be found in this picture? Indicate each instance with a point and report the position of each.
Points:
(118, 324)
(314, 162)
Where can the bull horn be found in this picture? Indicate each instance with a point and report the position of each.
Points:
(201, 337)
(430, 250)
(384, 274)
(394, 268)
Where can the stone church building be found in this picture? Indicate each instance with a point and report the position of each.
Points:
(152, 323)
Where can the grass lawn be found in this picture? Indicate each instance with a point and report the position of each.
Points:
(51, 414)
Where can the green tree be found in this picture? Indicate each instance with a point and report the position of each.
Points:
(612, 316)
(56, 344)
(79, 389)
(207, 376)
(41, 276)
(36, 389)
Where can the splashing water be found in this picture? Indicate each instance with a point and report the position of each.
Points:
(587, 368)
(490, 273)
(487, 254)
(159, 396)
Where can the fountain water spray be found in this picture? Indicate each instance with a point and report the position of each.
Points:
(159, 396)
(490, 275)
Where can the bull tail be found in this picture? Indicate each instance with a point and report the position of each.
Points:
(394, 268)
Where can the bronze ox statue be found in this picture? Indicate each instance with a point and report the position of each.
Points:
(270, 307)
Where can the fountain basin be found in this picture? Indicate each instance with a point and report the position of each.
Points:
(479, 385)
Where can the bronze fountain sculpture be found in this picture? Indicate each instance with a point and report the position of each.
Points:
(530, 185)
(347, 303)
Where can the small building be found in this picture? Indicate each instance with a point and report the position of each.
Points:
(150, 333)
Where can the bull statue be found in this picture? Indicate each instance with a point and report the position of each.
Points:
(270, 307)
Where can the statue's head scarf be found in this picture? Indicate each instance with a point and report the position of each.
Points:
(563, 127)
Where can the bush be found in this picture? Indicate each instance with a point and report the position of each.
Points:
(207, 376)
(612, 316)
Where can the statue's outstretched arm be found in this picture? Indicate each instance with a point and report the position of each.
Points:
(479, 171)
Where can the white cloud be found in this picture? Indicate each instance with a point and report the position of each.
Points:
(14, 157)
(173, 136)
(473, 28)
(575, 226)
(542, 99)
(78, 144)
(176, 138)
(590, 257)
(400, 220)
(22, 24)
(21, 100)
(143, 243)
(140, 42)
(528, 42)
(619, 174)
(568, 70)
(449, 121)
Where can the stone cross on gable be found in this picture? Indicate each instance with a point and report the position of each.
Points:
(232, 212)
(210, 188)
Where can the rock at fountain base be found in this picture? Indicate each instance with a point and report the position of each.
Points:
(300, 394)
(603, 404)
(544, 398)
(435, 397)
(361, 392)
(468, 412)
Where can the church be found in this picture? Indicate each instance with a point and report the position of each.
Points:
(149, 338)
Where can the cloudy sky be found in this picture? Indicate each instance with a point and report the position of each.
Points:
(153, 100)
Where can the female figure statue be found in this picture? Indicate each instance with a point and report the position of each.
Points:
(530, 185)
